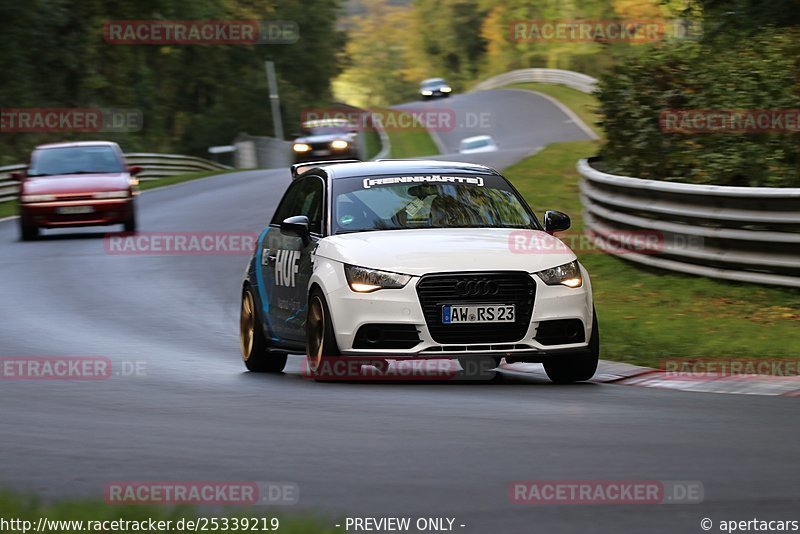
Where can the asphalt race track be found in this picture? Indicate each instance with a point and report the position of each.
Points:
(368, 449)
(520, 122)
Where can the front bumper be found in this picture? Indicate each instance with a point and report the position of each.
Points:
(350, 311)
(47, 214)
(325, 154)
(435, 94)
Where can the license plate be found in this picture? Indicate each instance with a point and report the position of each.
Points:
(322, 152)
(74, 210)
(481, 313)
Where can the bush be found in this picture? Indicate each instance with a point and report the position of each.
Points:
(759, 71)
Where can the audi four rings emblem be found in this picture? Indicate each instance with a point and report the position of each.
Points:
(477, 288)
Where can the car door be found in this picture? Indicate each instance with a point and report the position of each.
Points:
(286, 260)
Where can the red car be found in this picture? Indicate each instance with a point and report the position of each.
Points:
(76, 184)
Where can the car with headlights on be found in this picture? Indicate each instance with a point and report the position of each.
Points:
(434, 88)
(325, 139)
(76, 184)
(410, 260)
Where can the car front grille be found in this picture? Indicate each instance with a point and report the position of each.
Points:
(435, 290)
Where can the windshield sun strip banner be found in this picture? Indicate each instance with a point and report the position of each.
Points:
(430, 178)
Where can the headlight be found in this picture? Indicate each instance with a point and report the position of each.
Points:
(445, 89)
(427, 93)
(111, 194)
(363, 280)
(301, 147)
(339, 144)
(568, 275)
(38, 198)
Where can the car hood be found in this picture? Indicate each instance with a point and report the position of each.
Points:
(75, 183)
(422, 251)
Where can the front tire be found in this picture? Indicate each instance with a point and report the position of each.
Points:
(578, 368)
(321, 344)
(130, 225)
(27, 232)
(255, 350)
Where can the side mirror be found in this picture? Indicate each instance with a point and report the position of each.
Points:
(133, 171)
(18, 176)
(555, 221)
(296, 226)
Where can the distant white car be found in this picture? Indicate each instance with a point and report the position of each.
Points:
(477, 144)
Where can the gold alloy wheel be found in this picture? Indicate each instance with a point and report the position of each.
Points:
(247, 325)
(315, 333)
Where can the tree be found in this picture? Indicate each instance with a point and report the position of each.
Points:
(53, 54)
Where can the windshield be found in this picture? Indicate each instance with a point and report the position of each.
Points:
(433, 83)
(324, 127)
(75, 160)
(427, 201)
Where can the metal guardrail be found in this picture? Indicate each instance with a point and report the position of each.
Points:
(575, 80)
(154, 167)
(746, 234)
(9, 187)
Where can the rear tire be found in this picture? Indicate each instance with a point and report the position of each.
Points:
(579, 368)
(256, 353)
(27, 232)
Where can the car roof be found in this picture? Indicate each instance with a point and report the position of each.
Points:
(400, 166)
(77, 144)
(431, 80)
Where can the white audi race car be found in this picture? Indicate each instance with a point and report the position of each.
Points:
(404, 259)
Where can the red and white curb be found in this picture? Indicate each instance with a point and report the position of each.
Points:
(634, 375)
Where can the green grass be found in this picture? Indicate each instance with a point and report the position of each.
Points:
(584, 105)
(647, 315)
(408, 142)
(15, 506)
(372, 144)
(10, 208)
